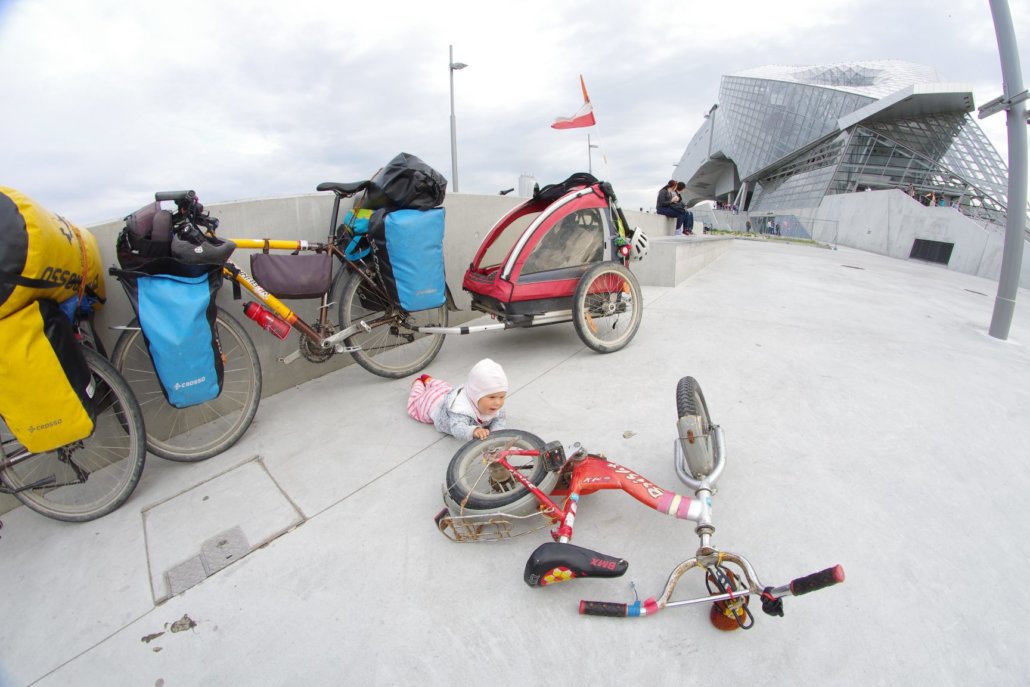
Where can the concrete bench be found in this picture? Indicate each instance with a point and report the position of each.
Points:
(671, 259)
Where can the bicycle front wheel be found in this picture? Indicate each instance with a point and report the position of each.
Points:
(607, 307)
(199, 432)
(92, 477)
(694, 427)
(391, 347)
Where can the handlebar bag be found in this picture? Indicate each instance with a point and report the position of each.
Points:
(408, 247)
(293, 276)
(46, 397)
(175, 304)
(146, 236)
(43, 255)
(405, 182)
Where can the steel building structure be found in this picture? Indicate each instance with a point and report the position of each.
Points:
(786, 137)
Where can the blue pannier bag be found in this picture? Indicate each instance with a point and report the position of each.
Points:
(175, 304)
(409, 252)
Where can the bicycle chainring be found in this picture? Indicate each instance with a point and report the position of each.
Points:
(312, 351)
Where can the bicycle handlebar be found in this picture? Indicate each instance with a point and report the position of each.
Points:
(797, 587)
(177, 196)
(817, 581)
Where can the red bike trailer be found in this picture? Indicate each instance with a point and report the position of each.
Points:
(561, 256)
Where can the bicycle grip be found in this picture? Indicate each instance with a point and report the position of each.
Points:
(614, 610)
(172, 195)
(817, 581)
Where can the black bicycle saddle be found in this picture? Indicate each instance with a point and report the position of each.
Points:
(555, 562)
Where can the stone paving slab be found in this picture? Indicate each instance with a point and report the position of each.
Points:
(240, 509)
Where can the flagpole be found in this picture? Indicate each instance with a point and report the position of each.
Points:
(590, 161)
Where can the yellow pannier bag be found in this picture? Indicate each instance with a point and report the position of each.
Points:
(46, 387)
(43, 255)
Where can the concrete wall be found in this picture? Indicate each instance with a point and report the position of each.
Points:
(888, 222)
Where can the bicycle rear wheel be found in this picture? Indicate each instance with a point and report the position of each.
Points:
(476, 488)
(607, 307)
(92, 477)
(392, 347)
(199, 432)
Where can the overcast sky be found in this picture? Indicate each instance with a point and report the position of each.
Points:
(106, 101)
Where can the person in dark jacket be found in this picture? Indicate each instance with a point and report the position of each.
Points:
(665, 206)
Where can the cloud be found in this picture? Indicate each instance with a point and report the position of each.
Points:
(112, 100)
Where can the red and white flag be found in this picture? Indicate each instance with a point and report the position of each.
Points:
(584, 117)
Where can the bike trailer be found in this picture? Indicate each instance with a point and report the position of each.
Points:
(533, 258)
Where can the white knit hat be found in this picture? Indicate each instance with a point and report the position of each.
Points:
(486, 377)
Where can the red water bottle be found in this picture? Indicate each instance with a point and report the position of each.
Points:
(267, 320)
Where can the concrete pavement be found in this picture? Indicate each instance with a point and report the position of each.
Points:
(869, 419)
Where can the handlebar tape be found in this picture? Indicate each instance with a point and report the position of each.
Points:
(816, 581)
(614, 610)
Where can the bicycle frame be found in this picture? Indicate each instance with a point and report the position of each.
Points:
(584, 473)
(233, 272)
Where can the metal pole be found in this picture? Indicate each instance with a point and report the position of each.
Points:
(454, 127)
(1014, 98)
(590, 157)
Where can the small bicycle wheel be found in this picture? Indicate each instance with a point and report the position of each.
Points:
(478, 486)
(694, 427)
(607, 307)
(199, 432)
(91, 477)
(391, 346)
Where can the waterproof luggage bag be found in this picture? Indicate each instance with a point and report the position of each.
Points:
(406, 182)
(409, 254)
(175, 304)
(47, 391)
(293, 275)
(43, 255)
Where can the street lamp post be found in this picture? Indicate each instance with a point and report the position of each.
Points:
(453, 67)
(590, 160)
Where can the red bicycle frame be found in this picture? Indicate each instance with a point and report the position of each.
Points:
(588, 474)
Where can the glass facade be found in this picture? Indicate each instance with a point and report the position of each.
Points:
(779, 126)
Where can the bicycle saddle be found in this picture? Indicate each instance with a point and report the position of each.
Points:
(554, 562)
(347, 189)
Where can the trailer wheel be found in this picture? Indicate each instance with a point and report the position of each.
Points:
(607, 307)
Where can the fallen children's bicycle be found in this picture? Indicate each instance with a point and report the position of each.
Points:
(505, 485)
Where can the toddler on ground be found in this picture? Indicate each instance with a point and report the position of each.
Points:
(467, 411)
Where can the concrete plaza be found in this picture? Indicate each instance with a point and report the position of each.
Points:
(869, 418)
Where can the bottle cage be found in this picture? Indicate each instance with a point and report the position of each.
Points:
(555, 562)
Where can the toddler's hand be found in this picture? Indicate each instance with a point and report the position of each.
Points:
(481, 433)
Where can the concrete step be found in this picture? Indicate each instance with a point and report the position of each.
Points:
(671, 259)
